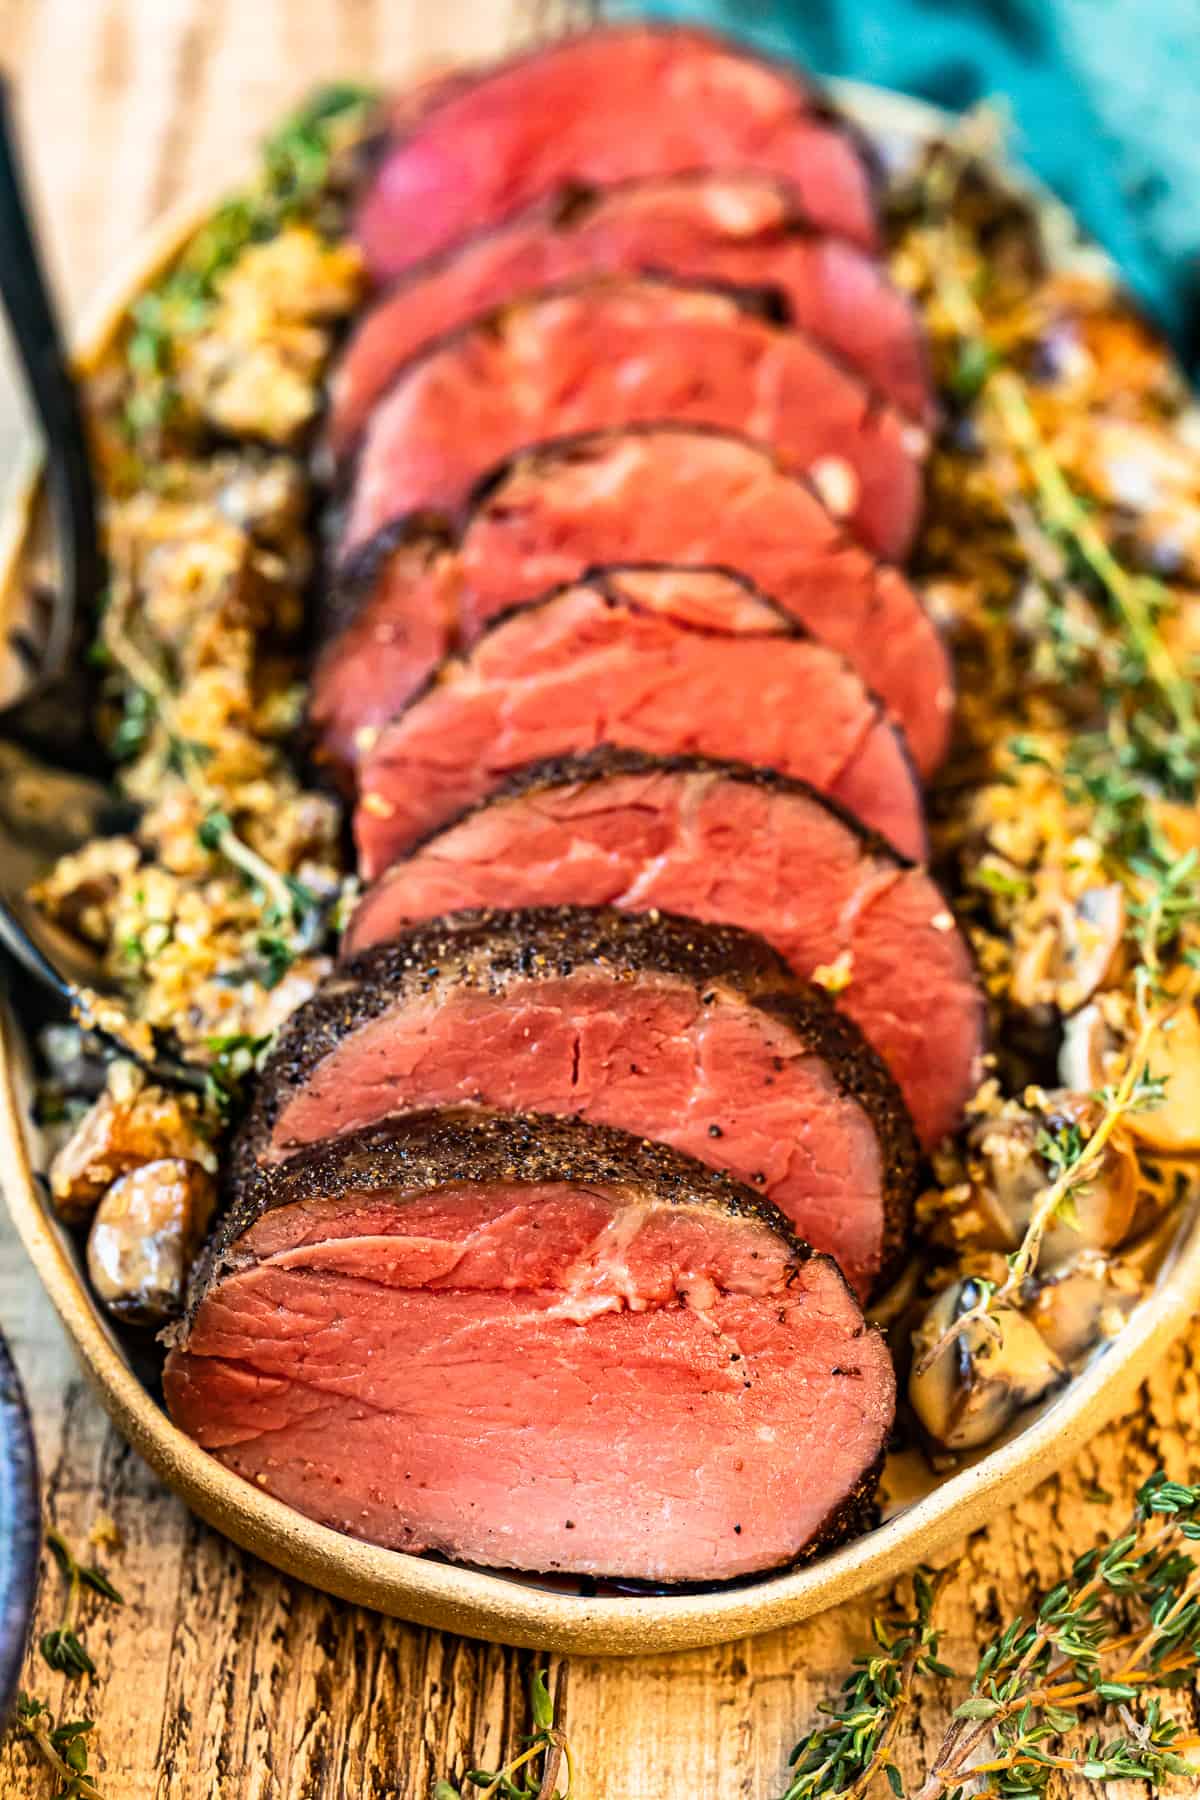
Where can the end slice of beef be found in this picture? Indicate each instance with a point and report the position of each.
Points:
(627, 351)
(659, 659)
(606, 107)
(692, 1035)
(534, 1344)
(652, 493)
(740, 229)
(736, 846)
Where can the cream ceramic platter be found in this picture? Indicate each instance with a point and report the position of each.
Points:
(500, 1608)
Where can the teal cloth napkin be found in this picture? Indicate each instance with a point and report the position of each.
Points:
(1104, 98)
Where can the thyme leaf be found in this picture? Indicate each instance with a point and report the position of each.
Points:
(843, 1756)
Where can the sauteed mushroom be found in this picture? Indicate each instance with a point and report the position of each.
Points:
(1091, 932)
(969, 1394)
(1074, 953)
(1009, 1171)
(1089, 1058)
(146, 1231)
(1173, 1125)
(1087, 1300)
(1087, 1041)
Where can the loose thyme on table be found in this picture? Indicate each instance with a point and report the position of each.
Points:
(1075, 1688)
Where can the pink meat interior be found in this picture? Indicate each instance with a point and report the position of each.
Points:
(603, 108)
(619, 352)
(658, 494)
(665, 662)
(725, 228)
(727, 1082)
(731, 852)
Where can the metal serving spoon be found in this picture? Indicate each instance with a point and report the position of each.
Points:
(46, 812)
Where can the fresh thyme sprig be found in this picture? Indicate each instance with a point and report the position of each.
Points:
(61, 1648)
(1035, 1676)
(1121, 770)
(63, 1747)
(539, 1763)
(844, 1756)
(1124, 1623)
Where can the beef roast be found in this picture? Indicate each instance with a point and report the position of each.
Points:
(658, 658)
(735, 845)
(534, 1344)
(652, 493)
(623, 351)
(740, 229)
(608, 107)
(694, 1035)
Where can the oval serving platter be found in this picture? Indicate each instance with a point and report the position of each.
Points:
(513, 1609)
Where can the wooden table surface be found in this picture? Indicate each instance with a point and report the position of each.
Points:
(220, 1677)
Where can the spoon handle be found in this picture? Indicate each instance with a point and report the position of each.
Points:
(38, 343)
(164, 1067)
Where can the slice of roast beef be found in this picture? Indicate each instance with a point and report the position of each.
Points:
(657, 658)
(534, 1344)
(609, 107)
(693, 1035)
(735, 228)
(654, 493)
(625, 351)
(734, 845)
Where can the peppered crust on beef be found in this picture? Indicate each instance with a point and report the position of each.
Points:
(732, 845)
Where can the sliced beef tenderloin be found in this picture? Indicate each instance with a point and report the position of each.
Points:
(625, 351)
(741, 229)
(692, 1035)
(655, 493)
(657, 658)
(608, 107)
(534, 1344)
(737, 846)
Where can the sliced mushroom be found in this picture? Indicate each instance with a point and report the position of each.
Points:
(981, 1380)
(146, 1231)
(1087, 1042)
(1090, 939)
(1009, 1173)
(1073, 952)
(1084, 1302)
